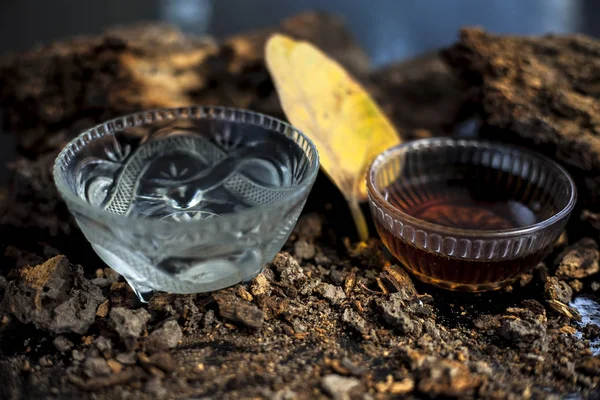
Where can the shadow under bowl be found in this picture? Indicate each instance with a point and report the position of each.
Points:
(187, 200)
(468, 215)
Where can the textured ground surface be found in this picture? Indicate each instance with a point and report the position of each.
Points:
(329, 318)
(540, 92)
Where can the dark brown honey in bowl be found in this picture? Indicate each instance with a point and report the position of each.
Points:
(468, 215)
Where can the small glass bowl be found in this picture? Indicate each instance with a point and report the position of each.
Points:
(187, 200)
(468, 215)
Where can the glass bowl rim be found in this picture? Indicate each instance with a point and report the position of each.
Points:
(378, 198)
(219, 113)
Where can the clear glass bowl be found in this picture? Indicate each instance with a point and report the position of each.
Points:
(187, 200)
(468, 215)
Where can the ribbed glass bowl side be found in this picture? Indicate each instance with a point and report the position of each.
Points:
(534, 179)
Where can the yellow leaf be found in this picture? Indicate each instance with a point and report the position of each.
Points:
(321, 99)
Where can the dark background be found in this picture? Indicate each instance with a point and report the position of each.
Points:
(388, 29)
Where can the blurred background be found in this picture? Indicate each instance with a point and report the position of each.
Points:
(389, 30)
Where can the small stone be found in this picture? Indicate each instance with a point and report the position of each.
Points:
(260, 286)
(103, 344)
(352, 368)
(45, 361)
(337, 277)
(62, 344)
(290, 272)
(55, 296)
(595, 286)
(523, 333)
(209, 319)
(77, 355)
(155, 387)
(165, 337)
(304, 250)
(558, 290)
(357, 322)
(310, 286)
(126, 358)
(392, 309)
(339, 387)
(298, 326)
(103, 308)
(234, 309)
(579, 260)
(447, 378)
(96, 366)
(129, 324)
(334, 294)
(419, 307)
(432, 329)
(284, 394)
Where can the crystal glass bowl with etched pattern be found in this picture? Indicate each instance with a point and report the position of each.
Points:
(468, 215)
(187, 200)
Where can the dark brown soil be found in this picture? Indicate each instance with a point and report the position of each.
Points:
(328, 318)
(539, 92)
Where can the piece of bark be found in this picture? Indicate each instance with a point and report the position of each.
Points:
(541, 92)
(53, 92)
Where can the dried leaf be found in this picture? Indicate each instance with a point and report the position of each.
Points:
(321, 99)
(564, 309)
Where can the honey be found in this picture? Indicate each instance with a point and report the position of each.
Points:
(469, 204)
